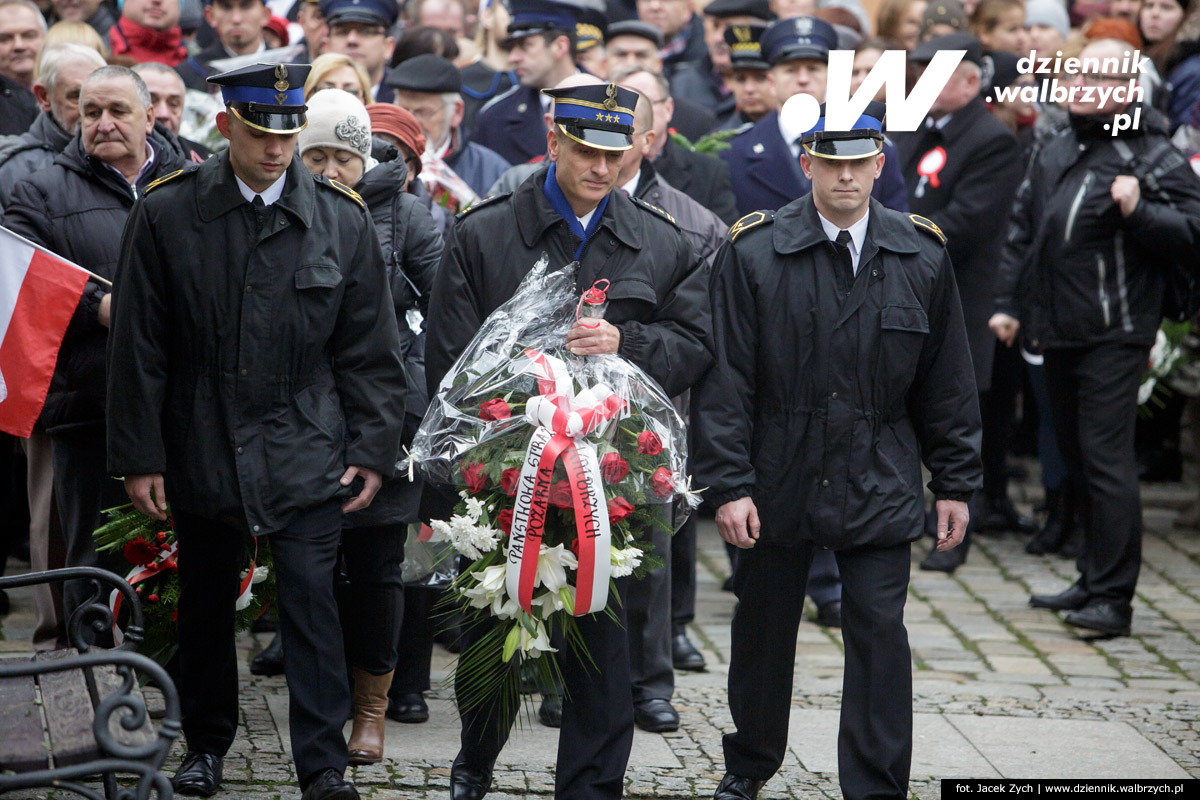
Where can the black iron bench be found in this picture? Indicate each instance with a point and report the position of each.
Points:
(73, 714)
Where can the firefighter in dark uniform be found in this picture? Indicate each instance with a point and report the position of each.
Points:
(657, 318)
(842, 364)
(255, 384)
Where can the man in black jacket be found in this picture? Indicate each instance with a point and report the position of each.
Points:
(239, 27)
(77, 207)
(1099, 222)
(63, 68)
(959, 170)
(254, 375)
(657, 318)
(842, 364)
(21, 31)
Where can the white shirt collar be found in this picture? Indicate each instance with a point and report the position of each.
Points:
(586, 218)
(790, 136)
(269, 195)
(938, 124)
(631, 187)
(858, 235)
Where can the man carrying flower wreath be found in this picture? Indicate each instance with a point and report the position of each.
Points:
(657, 317)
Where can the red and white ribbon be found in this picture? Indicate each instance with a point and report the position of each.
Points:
(166, 560)
(562, 419)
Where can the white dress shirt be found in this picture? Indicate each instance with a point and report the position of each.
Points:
(858, 235)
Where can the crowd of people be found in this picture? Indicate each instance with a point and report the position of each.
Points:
(298, 215)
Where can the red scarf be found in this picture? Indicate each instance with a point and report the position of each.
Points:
(142, 44)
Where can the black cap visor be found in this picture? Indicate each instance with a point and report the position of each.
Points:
(799, 51)
(271, 119)
(748, 63)
(844, 145)
(520, 33)
(607, 138)
(357, 15)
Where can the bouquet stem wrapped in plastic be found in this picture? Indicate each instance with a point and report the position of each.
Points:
(565, 465)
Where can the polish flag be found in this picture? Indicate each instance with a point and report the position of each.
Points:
(38, 295)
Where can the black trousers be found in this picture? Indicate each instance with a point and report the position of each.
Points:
(683, 575)
(416, 641)
(875, 738)
(82, 489)
(305, 557)
(997, 409)
(648, 616)
(373, 603)
(1093, 391)
(597, 718)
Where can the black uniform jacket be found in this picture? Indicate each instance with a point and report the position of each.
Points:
(656, 297)
(822, 406)
(252, 367)
(971, 203)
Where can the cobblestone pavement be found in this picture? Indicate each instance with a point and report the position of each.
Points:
(992, 677)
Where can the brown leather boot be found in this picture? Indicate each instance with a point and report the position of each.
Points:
(370, 706)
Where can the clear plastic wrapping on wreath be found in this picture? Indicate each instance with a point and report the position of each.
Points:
(478, 427)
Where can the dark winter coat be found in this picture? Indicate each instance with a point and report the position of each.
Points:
(657, 296)
(195, 69)
(828, 395)
(252, 367)
(511, 125)
(700, 84)
(970, 203)
(702, 177)
(703, 228)
(477, 165)
(412, 250)
(769, 176)
(1074, 271)
(77, 208)
(18, 107)
(31, 151)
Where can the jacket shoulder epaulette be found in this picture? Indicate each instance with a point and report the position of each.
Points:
(154, 184)
(655, 209)
(343, 188)
(478, 204)
(751, 220)
(929, 226)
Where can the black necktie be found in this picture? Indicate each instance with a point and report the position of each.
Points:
(260, 211)
(842, 245)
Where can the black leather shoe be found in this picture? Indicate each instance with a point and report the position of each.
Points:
(467, 783)
(329, 785)
(947, 560)
(199, 775)
(1103, 616)
(550, 711)
(1001, 515)
(829, 615)
(656, 716)
(270, 660)
(1071, 599)
(684, 654)
(734, 787)
(410, 708)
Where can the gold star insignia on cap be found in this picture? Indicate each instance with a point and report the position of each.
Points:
(599, 117)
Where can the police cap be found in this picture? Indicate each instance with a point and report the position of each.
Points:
(760, 9)
(589, 29)
(798, 37)
(537, 16)
(370, 12)
(427, 72)
(865, 137)
(599, 116)
(745, 46)
(269, 97)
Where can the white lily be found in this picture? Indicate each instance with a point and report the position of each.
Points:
(553, 563)
(535, 644)
(505, 607)
(489, 586)
(552, 602)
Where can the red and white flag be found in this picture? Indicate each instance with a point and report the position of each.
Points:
(38, 295)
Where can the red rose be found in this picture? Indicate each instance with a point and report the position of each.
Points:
(618, 509)
(153, 598)
(509, 480)
(494, 409)
(613, 468)
(649, 444)
(140, 552)
(473, 476)
(504, 520)
(560, 495)
(662, 482)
